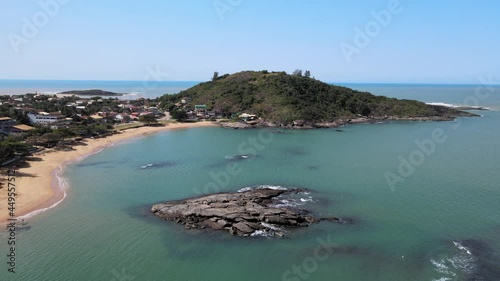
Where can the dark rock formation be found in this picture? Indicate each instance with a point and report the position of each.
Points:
(242, 213)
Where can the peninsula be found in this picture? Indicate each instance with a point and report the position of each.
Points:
(278, 99)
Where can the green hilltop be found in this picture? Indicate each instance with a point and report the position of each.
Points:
(282, 98)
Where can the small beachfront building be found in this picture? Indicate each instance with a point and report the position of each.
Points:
(98, 119)
(200, 110)
(5, 124)
(20, 129)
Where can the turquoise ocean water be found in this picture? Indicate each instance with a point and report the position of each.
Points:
(441, 223)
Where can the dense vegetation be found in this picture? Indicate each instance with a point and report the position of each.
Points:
(10, 148)
(22, 144)
(283, 98)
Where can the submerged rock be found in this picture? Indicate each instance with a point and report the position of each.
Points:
(244, 213)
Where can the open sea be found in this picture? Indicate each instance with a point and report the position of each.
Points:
(130, 89)
(423, 208)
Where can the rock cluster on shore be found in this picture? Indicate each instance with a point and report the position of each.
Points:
(301, 124)
(243, 213)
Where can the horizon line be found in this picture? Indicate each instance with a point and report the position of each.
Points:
(196, 81)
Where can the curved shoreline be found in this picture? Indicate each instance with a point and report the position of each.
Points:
(41, 187)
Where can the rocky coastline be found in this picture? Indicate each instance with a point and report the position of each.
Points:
(248, 213)
(301, 124)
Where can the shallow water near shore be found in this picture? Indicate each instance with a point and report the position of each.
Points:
(441, 223)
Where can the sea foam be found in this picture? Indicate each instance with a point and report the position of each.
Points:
(275, 187)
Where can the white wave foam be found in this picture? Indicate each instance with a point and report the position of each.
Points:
(461, 247)
(306, 199)
(465, 264)
(231, 157)
(270, 226)
(441, 267)
(275, 187)
(288, 203)
(62, 184)
(262, 233)
(441, 104)
(465, 261)
(461, 261)
(294, 202)
(457, 105)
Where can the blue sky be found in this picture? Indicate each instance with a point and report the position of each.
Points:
(425, 42)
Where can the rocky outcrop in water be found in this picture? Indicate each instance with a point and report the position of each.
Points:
(243, 213)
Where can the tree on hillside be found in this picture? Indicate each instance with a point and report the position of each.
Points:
(10, 148)
(179, 115)
(148, 119)
(64, 133)
(216, 76)
(297, 72)
(307, 74)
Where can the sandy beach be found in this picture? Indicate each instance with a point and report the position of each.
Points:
(37, 186)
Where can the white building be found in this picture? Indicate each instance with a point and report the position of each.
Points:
(44, 118)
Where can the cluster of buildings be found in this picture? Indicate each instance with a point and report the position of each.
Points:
(92, 110)
(199, 112)
(80, 110)
(8, 126)
(119, 111)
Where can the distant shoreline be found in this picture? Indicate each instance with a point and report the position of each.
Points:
(91, 93)
(39, 185)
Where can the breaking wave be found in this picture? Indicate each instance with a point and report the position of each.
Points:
(456, 105)
(441, 104)
(290, 200)
(461, 262)
(275, 187)
(293, 202)
(268, 232)
(237, 157)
